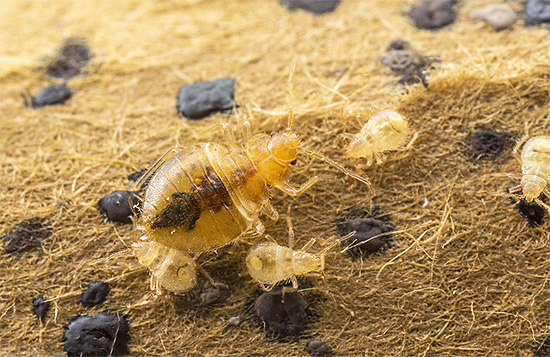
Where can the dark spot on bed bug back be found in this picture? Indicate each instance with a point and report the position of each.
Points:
(199, 100)
(95, 294)
(317, 7)
(433, 14)
(54, 94)
(40, 307)
(27, 235)
(117, 206)
(103, 334)
(70, 59)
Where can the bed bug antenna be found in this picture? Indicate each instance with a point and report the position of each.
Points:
(338, 167)
(291, 109)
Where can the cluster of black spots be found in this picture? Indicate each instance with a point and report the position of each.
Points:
(283, 312)
(371, 235)
(50, 95)
(433, 14)
(411, 66)
(317, 7)
(71, 58)
(135, 176)
(104, 334)
(117, 206)
(531, 211)
(199, 100)
(488, 143)
(95, 294)
(40, 307)
(317, 348)
(537, 11)
(27, 235)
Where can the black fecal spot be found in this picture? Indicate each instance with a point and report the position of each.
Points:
(27, 235)
(433, 14)
(537, 11)
(371, 236)
(199, 100)
(183, 211)
(70, 59)
(283, 313)
(488, 142)
(117, 206)
(95, 294)
(317, 348)
(317, 7)
(531, 211)
(54, 94)
(40, 307)
(412, 67)
(135, 176)
(399, 45)
(103, 334)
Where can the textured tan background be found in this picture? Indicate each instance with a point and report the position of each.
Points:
(468, 275)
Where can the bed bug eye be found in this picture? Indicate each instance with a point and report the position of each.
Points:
(293, 162)
(273, 133)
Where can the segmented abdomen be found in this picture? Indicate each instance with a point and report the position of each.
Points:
(173, 269)
(203, 197)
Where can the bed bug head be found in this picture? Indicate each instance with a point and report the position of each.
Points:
(272, 154)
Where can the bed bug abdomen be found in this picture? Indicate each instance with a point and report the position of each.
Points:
(171, 268)
(535, 165)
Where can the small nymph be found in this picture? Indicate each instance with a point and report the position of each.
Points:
(269, 263)
(535, 167)
(385, 130)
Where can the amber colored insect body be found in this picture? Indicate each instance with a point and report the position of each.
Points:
(535, 165)
(269, 263)
(385, 130)
(207, 195)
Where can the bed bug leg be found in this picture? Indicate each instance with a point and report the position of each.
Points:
(292, 191)
(270, 212)
(246, 129)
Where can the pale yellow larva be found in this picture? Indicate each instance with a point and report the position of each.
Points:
(535, 166)
(172, 269)
(268, 263)
(385, 130)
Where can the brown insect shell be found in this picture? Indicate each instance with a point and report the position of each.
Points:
(271, 154)
(269, 263)
(535, 165)
(385, 130)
